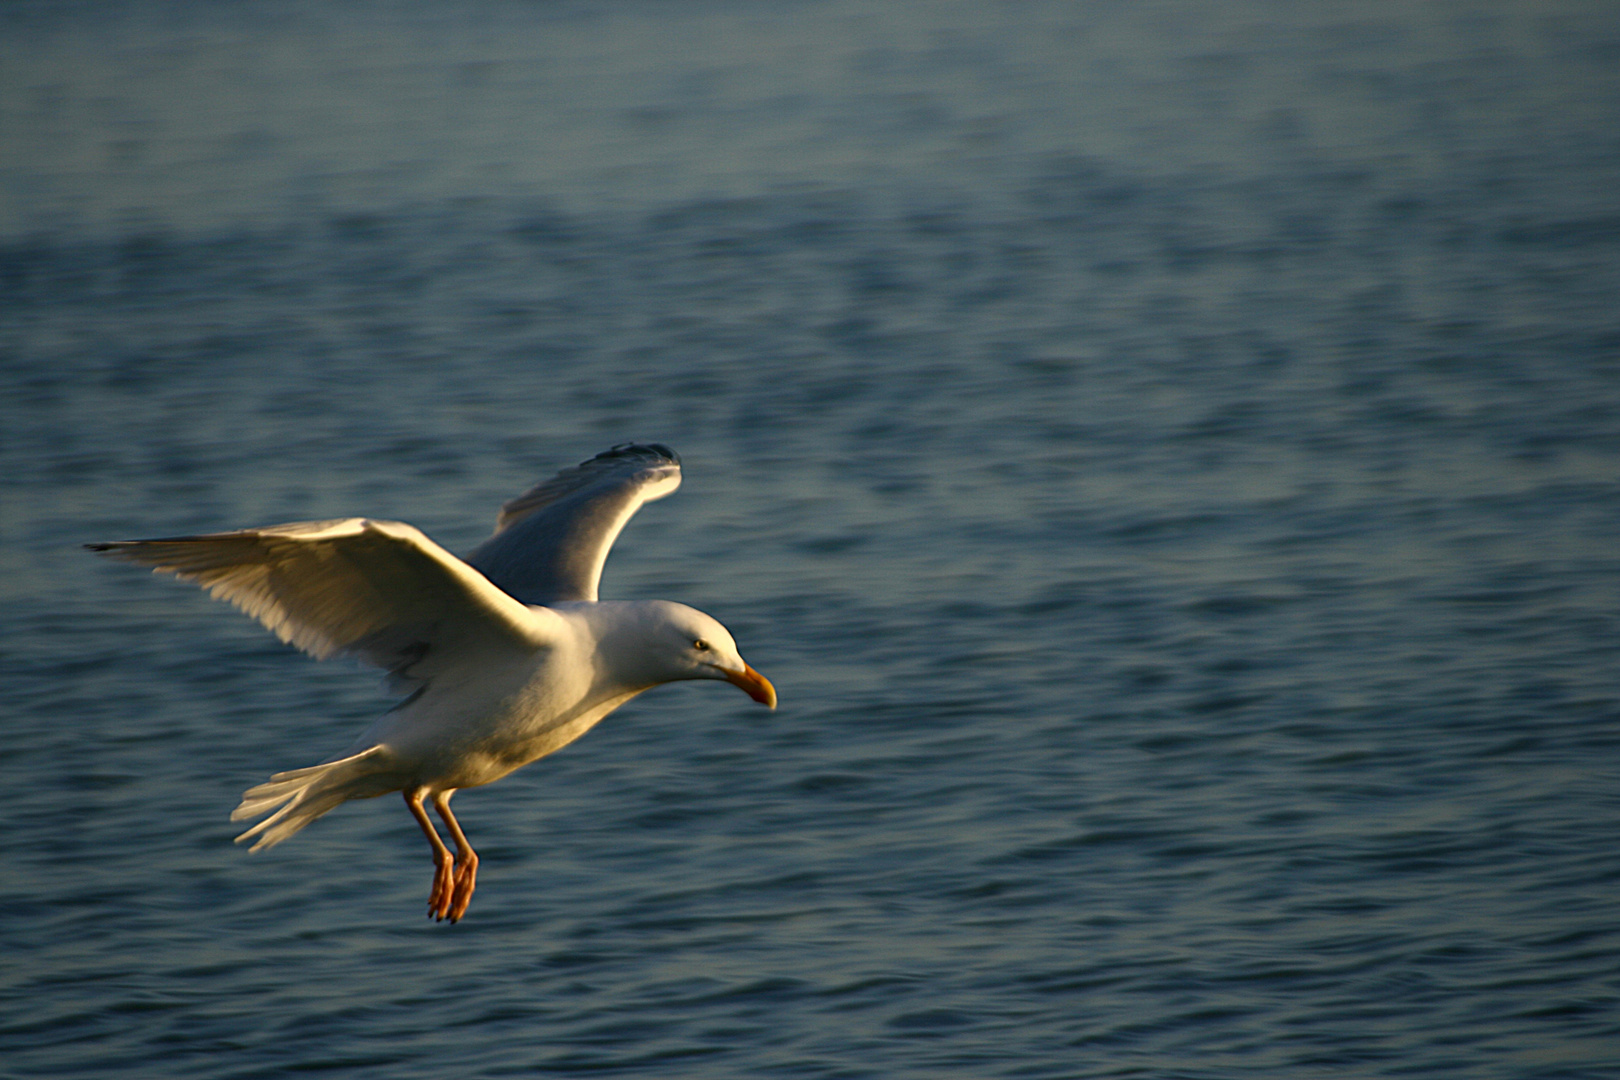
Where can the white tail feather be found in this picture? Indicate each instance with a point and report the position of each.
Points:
(306, 794)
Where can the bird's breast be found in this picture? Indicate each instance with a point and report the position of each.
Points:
(477, 733)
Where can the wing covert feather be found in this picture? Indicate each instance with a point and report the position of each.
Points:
(551, 542)
(377, 590)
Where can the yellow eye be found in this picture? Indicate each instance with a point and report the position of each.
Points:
(700, 645)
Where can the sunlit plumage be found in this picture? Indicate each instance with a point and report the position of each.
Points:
(507, 655)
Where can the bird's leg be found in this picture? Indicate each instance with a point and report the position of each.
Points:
(466, 878)
(443, 861)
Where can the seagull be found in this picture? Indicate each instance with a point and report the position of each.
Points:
(507, 655)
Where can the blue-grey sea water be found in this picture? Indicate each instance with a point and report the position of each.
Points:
(1164, 453)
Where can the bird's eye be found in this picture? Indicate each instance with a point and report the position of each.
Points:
(700, 645)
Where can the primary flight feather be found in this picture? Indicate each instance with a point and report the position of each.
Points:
(508, 655)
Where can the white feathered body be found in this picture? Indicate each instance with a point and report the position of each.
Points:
(471, 727)
(508, 655)
(473, 724)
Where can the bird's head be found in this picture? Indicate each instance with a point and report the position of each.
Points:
(684, 643)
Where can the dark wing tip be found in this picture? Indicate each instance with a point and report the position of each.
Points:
(634, 450)
(113, 547)
(105, 546)
(624, 464)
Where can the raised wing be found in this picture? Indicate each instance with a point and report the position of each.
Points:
(550, 542)
(376, 590)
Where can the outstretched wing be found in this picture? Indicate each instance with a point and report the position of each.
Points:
(376, 590)
(550, 542)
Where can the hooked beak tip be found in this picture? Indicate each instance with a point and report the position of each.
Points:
(754, 685)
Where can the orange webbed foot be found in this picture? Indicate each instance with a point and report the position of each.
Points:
(439, 901)
(466, 879)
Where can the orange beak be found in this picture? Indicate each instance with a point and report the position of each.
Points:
(754, 685)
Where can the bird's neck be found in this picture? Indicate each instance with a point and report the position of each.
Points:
(619, 636)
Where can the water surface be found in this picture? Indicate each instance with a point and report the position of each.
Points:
(1163, 454)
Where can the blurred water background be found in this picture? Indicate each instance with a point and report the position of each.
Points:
(1165, 455)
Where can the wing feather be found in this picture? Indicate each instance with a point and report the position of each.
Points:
(551, 542)
(380, 591)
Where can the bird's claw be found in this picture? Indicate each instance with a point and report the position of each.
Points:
(453, 884)
(443, 887)
(466, 879)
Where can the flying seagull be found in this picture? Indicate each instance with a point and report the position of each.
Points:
(507, 655)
